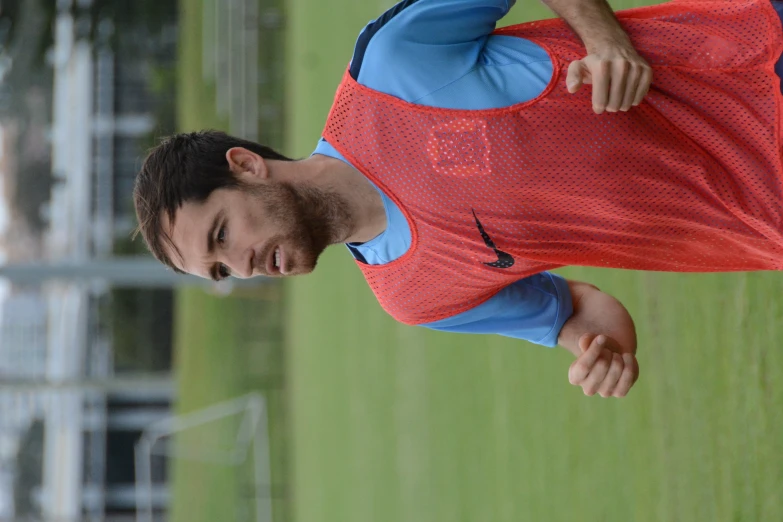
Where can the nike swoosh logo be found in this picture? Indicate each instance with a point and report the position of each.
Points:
(505, 260)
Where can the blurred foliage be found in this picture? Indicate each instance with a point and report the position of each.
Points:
(142, 33)
(141, 327)
(26, 34)
(32, 190)
(163, 88)
(140, 320)
(127, 246)
(26, 29)
(29, 472)
(149, 16)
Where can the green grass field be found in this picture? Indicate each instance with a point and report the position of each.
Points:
(385, 422)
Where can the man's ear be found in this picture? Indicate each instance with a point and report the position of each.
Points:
(246, 165)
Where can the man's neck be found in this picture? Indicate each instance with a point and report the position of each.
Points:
(331, 175)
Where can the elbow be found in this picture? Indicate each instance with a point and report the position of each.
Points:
(596, 312)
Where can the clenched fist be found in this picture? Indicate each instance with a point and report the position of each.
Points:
(602, 368)
(619, 76)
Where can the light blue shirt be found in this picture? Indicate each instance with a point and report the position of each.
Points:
(440, 53)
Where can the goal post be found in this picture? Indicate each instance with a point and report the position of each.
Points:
(251, 441)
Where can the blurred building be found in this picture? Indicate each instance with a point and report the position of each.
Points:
(71, 141)
(66, 435)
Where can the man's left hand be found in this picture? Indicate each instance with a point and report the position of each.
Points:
(603, 367)
(619, 76)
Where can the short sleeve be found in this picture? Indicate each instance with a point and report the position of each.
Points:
(429, 42)
(533, 309)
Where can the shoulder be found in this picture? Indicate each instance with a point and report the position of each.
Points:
(380, 31)
(411, 26)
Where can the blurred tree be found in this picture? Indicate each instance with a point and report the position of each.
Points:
(133, 18)
(25, 37)
(26, 30)
(141, 322)
(29, 472)
(32, 190)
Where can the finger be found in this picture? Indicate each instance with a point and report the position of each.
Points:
(582, 366)
(574, 79)
(600, 74)
(628, 376)
(612, 376)
(634, 75)
(619, 79)
(635, 363)
(597, 375)
(645, 80)
(584, 341)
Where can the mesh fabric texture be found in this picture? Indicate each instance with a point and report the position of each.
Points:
(689, 181)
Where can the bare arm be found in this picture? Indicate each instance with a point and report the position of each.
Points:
(596, 313)
(602, 336)
(592, 20)
(620, 77)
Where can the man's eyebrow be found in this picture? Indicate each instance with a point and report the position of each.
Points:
(211, 243)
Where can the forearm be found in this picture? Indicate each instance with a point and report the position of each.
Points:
(593, 20)
(597, 313)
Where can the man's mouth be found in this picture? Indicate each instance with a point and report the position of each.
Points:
(274, 261)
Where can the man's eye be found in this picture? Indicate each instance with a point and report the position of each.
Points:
(221, 237)
(223, 271)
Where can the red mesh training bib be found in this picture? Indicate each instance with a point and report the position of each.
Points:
(689, 181)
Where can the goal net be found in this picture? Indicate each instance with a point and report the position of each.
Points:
(229, 434)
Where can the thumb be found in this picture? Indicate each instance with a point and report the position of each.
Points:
(574, 78)
(585, 340)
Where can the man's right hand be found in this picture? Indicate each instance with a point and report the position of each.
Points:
(619, 76)
(602, 367)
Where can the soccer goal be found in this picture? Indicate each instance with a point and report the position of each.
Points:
(245, 416)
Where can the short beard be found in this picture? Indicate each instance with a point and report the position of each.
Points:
(316, 218)
(324, 214)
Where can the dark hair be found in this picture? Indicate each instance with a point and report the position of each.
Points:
(184, 168)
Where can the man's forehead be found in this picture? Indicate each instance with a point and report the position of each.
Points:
(182, 231)
(184, 218)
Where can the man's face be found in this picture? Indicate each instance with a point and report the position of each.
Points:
(266, 228)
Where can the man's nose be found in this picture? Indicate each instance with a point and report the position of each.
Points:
(239, 263)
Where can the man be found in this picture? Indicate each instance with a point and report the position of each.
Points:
(459, 165)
